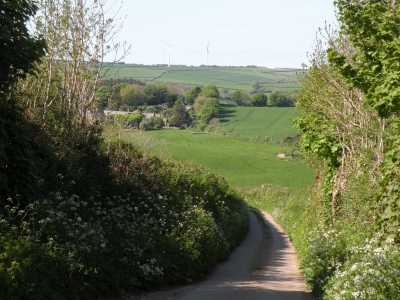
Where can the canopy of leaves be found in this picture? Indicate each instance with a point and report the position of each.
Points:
(156, 93)
(259, 99)
(192, 94)
(180, 116)
(210, 91)
(133, 95)
(209, 110)
(19, 50)
(373, 29)
(240, 98)
(280, 100)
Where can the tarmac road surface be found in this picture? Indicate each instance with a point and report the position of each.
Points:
(263, 266)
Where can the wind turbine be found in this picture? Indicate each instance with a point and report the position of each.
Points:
(207, 53)
(169, 53)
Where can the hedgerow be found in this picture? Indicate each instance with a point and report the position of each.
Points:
(172, 223)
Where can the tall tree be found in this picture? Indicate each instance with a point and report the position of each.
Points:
(180, 116)
(210, 91)
(19, 49)
(240, 98)
(19, 53)
(259, 99)
(79, 35)
(192, 94)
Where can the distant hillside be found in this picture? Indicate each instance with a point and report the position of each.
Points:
(228, 78)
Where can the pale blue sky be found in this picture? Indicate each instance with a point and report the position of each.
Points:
(269, 33)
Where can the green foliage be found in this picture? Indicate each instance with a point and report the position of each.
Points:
(18, 164)
(180, 116)
(192, 94)
(209, 110)
(131, 120)
(240, 98)
(210, 91)
(113, 219)
(371, 273)
(156, 93)
(175, 224)
(20, 51)
(103, 94)
(259, 99)
(115, 100)
(280, 100)
(158, 122)
(371, 27)
(133, 95)
(327, 252)
(19, 55)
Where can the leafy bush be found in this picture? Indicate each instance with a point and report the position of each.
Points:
(171, 222)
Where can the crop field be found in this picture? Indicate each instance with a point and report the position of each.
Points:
(274, 122)
(238, 78)
(242, 164)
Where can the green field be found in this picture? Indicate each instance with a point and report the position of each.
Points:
(242, 163)
(274, 122)
(229, 78)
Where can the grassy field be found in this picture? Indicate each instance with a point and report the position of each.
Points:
(282, 80)
(243, 164)
(274, 122)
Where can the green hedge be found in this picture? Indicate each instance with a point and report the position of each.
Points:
(172, 222)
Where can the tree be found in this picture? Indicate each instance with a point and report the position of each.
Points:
(19, 50)
(78, 35)
(115, 100)
(280, 100)
(210, 91)
(257, 88)
(241, 98)
(209, 110)
(259, 99)
(171, 99)
(156, 93)
(192, 94)
(103, 95)
(180, 116)
(133, 95)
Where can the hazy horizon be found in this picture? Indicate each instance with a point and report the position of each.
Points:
(263, 33)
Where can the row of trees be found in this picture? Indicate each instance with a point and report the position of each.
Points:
(129, 96)
(167, 102)
(124, 96)
(243, 98)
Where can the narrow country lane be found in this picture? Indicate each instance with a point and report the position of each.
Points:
(264, 266)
